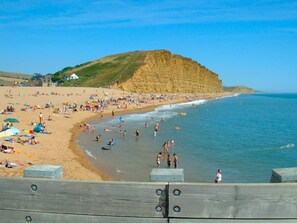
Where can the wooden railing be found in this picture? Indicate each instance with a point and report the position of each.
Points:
(47, 200)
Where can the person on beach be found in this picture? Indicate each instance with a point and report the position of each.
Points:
(88, 127)
(218, 176)
(125, 134)
(40, 117)
(5, 127)
(146, 125)
(137, 133)
(156, 128)
(175, 160)
(112, 113)
(32, 140)
(158, 159)
(98, 138)
(110, 142)
(93, 130)
(169, 159)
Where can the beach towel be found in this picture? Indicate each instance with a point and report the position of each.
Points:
(9, 139)
(28, 131)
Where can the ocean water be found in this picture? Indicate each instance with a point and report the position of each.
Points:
(245, 135)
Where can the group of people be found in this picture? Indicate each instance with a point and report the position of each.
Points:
(170, 159)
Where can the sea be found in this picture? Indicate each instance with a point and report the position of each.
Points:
(245, 135)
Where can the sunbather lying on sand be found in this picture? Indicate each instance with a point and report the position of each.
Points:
(8, 164)
(7, 149)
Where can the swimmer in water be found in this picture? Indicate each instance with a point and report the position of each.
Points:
(177, 128)
(97, 138)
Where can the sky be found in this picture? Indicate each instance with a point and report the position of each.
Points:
(250, 42)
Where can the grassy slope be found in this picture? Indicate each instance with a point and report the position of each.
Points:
(237, 89)
(105, 71)
(8, 78)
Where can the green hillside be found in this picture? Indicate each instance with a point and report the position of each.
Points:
(103, 72)
(239, 89)
(9, 78)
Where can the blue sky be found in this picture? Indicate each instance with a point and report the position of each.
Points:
(251, 43)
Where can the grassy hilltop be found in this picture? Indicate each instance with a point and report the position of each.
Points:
(239, 89)
(103, 72)
(144, 72)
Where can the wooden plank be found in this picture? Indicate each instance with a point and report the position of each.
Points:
(9, 216)
(233, 201)
(231, 220)
(82, 197)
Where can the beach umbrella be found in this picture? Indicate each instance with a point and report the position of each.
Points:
(12, 120)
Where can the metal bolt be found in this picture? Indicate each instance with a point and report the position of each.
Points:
(159, 192)
(28, 219)
(176, 192)
(158, 208)
(176, 209)
(34, 187)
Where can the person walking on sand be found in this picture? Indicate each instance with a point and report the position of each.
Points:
(158, 159)
(219, 176)
(175, 160)
(40, 117)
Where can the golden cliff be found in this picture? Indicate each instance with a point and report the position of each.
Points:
(163, 72)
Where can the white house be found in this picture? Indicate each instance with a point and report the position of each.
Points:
(71, 77)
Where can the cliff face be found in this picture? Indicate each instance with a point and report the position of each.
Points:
(164, 72)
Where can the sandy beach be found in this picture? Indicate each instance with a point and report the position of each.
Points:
(64, 124)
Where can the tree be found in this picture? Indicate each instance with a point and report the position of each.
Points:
(37, 79)
(37, 76)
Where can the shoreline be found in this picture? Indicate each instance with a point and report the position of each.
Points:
(61, 147)
(75, 147)
(76, 132)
